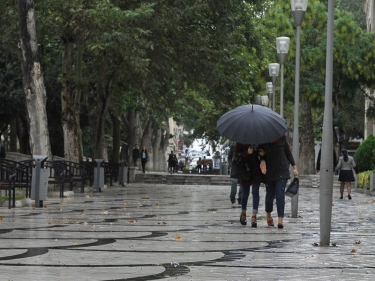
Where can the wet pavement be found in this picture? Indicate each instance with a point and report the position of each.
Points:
(190, 232)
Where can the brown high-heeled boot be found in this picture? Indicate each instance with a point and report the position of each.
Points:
(243, 220)
(269, 220)
(280, 223)
(254, 220)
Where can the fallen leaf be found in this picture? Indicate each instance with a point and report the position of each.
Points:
(353, 251)
(164, 222)
(87, 196)
(105, 212)
(177, 237)
(1, 218)
(358, 242)
(132, 221)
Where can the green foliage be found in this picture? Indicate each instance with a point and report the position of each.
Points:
(364, 179)
(364, 155)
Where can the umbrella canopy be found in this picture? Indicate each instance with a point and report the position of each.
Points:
(252, 124)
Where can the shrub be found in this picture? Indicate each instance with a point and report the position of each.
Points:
(364, 155)
(364, 179)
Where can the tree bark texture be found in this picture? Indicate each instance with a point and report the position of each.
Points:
(134, 130)
(116, 141)
(33, 84)
(307, 151)
(104, 98)
(70, 107)
(147, 142)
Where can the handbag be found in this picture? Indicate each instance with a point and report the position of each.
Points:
(292, 188)
(239, 169)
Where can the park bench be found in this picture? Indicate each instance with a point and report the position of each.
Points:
(79, 172)
(14, 175)
(111, 171)
(58, 172)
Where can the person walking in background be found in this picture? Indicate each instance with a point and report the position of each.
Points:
(204, 163)
(278, 157)
(172, 162)
(251, 156)
(233, 188)
(135, 155)
(199, 165)
(345, 165)
(144, 158)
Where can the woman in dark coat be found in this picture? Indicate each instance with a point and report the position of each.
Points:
(278, 157)
(144, 158)
(250, 155)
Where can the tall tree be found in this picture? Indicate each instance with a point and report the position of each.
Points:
(33, 84)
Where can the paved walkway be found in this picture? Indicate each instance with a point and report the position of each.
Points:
(152, 232)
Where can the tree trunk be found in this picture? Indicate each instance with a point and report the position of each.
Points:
(70, 105)
(159, 156)
(115, 139)
(307, 152)
(33, 84)
(147, 142)
(134, 130)
(13, 135)
(104, 98)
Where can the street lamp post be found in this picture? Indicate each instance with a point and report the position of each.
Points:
(273, 69)
(326, 168)
(299, 9)
(269, 89)
(282, 47)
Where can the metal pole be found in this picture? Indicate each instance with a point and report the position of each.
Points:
(282, 91)
(326, 168)
(273, 78)
(294, 200)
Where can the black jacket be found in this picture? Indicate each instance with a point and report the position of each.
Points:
(252, 161)
(278, 158)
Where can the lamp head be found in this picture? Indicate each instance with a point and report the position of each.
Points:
(282, 44)
(299, 5)
(273, 69)
(269, 88)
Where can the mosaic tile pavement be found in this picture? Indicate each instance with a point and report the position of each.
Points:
(165, 232)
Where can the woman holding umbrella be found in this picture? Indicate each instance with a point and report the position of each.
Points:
(250, 155)
(278, 157)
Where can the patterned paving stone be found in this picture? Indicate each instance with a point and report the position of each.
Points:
(190, 232)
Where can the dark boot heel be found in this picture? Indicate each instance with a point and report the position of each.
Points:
(243, 220)
(254, 221)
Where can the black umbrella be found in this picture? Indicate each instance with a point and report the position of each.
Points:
(252, 124)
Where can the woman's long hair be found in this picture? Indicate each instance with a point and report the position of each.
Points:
(345, 154)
